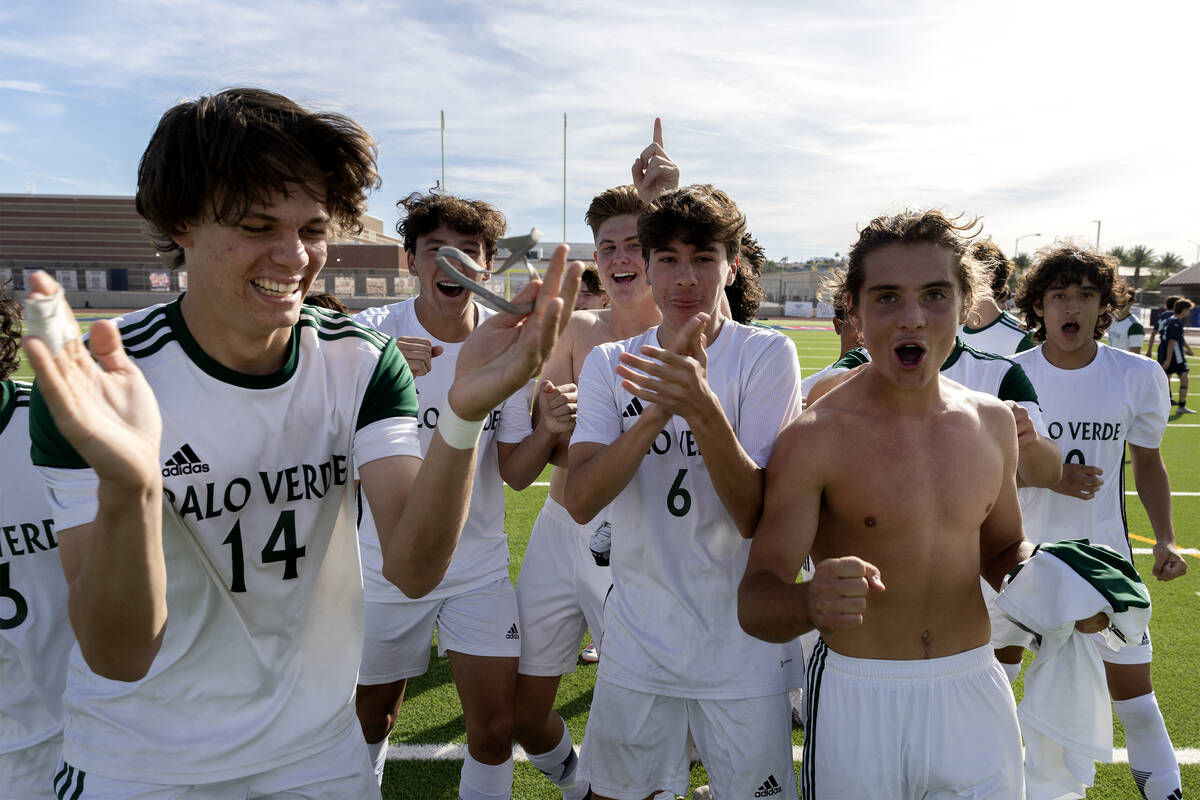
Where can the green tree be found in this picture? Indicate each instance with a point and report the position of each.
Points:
(1166, 266)
(1120, 254)
(1139, 257)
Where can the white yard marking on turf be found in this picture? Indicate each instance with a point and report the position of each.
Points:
(456, 752)
(1149, 551)
(1173, 494)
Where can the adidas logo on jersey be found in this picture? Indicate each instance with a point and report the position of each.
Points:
(184, 462)
(634, 409)
(512, 633)
(769, 787)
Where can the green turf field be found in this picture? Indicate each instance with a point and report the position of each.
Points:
(431, 715)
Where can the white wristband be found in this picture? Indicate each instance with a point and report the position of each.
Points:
(45, 318)
(459, 433)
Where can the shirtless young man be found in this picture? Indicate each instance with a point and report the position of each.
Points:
(902, 485)
(199, 465)
(561, 589)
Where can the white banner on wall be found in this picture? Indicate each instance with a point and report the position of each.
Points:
(377, 287)
(343, 286)
(824, 311)
(67, 279)
(97, 280)
(181, 278)
(160, 281)
(797, 308)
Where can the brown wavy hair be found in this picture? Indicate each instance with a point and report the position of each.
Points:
(746, 294)
(1068, 265)
(215, 157)
(612, 203)
(915, 227)
(10, 333)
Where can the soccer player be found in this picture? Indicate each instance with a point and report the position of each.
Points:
(562, 587)
(901, 484)
(200, 469)
(673, 430)
(592, 296)
(990, 329)
(1172, 349)
(1125, 332)
(474, 608)
(1158, 318)
(35, 634)
(1098, 399)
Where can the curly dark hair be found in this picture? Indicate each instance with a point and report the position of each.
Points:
(1064, 265)
(916, 227)
(745, 294)
(215, 157)
(425, 213)
(10, 333)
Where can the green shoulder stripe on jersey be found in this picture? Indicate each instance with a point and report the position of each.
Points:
(391, 392)
(132, 328)
(220, 371)
(1016, 386)
(852, 359)
(1026, 344)
(13, 395)
(339, 326)
(959, 348)
(49, 448)
(1136, 329)
(143, 333)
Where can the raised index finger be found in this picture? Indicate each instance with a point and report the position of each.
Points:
(658, 140)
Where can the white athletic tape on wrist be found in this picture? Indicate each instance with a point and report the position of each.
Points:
(459, 433)
(46, 318)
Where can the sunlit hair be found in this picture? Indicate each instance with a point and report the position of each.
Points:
(831, 291)
(216, 157)
(1063, 265)
(916, 227)
(997, 268)
(10, 333)
(327, 301)
(425, 213)
(610, 203)
(696, 215)
(1182, 305)
(746, 294)
(1170, 301)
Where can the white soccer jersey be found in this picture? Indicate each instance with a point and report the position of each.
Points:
(991, 374)
(260, 653)
(1004, 336)
(1091, 413)
(482, 553)
(670, 621)
(35, 634)
(1126, 334)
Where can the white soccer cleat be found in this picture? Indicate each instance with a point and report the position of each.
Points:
(796, 701)
(590, 654)
(702, 793)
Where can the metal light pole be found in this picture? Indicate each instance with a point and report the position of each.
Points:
(1017, 244)
(1097, 234)
(1197, 249)
(443, 152)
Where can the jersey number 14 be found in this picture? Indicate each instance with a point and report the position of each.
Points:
(289, 554)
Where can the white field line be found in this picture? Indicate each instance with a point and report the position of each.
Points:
(1149, 551)
(1173, 494)
(456, 752)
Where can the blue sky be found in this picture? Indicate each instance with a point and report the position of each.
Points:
(1041, 117)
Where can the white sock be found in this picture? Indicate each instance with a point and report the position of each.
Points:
(378, 755)
(483, 781)
(1011, 670)
(1151, 756)
(560, 766)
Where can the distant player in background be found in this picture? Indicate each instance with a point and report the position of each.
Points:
(562, 585)
(327, 301)
(592, 296)
(1126, 332)
(674, 427)
(35, 634)
(1158, 318)
(1097, 400)
(474, 607)
(1173, 350)
(990, 329)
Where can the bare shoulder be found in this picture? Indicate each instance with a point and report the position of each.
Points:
(811, 439)
(993, 414)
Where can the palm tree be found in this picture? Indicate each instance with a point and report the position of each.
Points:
(1139, 256)
(1119, 253)
(1168, 264)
